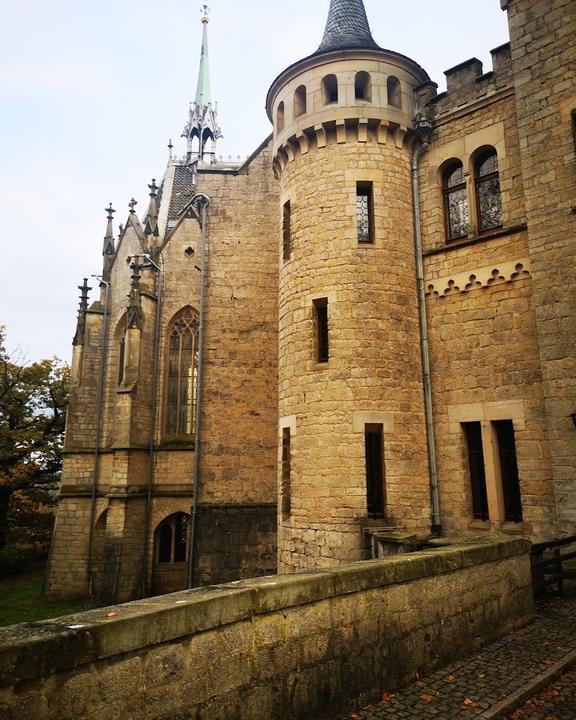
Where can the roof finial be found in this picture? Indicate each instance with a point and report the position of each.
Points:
(205, 10)
(151, 221)
(82, 308)
(170, 148)
(132, 205)
(109, 249)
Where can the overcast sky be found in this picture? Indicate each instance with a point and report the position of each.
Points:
(91, 92)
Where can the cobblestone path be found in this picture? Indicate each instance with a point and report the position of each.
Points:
(556, 702)
(470, 687)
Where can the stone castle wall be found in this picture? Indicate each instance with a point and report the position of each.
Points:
(280, 648)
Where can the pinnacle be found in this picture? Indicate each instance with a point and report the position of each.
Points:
(347, 27)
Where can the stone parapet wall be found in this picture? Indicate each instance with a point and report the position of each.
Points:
(277, 648)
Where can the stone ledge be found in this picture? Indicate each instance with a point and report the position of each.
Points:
(37, 650)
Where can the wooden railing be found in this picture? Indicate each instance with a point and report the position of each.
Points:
(553, 563)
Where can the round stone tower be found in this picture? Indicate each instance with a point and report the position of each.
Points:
(352, 431)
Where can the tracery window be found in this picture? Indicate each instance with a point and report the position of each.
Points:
(488, 197)
(455, 201)
(182, 374)
(172, 539)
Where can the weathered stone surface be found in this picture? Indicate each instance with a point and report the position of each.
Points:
(237, 651)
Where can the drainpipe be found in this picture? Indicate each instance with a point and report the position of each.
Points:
(424, 130)
(153, 418)
(202, 202)
(99, 402)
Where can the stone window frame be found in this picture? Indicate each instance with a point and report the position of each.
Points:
(487, 414)
(447, 171)
(476, 160)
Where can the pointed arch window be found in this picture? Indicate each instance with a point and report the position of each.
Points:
(488, 196)
(455, 201)
(172, 539)
(182, 373)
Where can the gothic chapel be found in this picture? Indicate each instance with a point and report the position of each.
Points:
(360, 337)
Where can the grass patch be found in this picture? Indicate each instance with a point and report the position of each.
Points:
(21, 601)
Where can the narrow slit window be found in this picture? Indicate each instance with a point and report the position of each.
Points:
(365, 212)
(473, 433)
(375, 474)
(286, 232)
(322, 337)
(509, 470)
(286, 471)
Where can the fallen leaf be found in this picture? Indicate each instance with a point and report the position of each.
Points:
(452, 678)
(112, 613)
(426, 698)
(469, 703)
(386, 697)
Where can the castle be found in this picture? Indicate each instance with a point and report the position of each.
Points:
(363, 333)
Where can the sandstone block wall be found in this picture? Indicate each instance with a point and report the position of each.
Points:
(280, 648)
(544, 64)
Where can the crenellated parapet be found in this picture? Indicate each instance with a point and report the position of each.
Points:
(468, 83)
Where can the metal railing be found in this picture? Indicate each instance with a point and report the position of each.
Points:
(553, 563)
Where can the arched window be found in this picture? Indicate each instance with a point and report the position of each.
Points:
(300, 101)
(182, 373)
(488, 197)
(455, 201)
(172, 539)
(394, 92)
(280, 117)
(363, 86)
(330, 89)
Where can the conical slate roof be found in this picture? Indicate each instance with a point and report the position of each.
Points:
(347, 27)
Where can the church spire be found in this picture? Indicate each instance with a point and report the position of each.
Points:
(203, 87)
(202, 130)
(347, 27)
